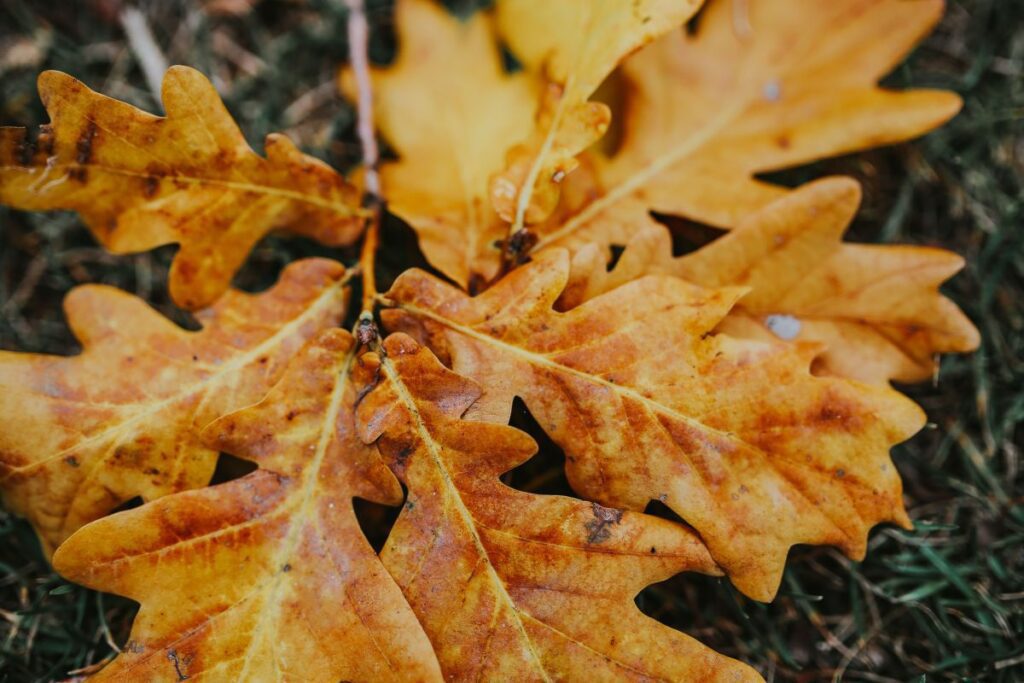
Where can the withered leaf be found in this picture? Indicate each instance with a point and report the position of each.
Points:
(268, 577)
(141, 181)
(736, 436)
(450, 111)
(513, 586)
(80, 435)
(575, 44)
(876, 308)
(704, 113)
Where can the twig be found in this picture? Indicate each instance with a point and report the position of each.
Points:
(358, 46)
(140, 38)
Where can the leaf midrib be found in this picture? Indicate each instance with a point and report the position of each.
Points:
(254, 188)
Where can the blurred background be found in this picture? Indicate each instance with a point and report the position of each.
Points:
(943, 603)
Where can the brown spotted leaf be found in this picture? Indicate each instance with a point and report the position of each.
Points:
(575, 44)
(876, 308)
(80, 435)
(760, 86)
(141, 181)
(735, 436)
(268, 577)
(512, 586)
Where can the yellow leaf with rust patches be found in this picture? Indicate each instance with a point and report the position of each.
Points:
(267, 577)
(876, 309)
(81, 435)
(512, 586)
(141, 181)
(787, 83)
(736, 436)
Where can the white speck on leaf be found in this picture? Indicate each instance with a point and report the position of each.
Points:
(783, 326)
(772, 91)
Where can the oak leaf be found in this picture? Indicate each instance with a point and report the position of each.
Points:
(575, 45)
(141, 181)
(705, 113)
(876, 308)
(449, 109)
(510, 585)
(735, 436)
(80, 435)
(267, 577)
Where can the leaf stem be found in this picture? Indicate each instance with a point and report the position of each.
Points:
(358, 49)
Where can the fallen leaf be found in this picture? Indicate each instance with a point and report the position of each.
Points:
(510, 585)
(450, 111)
(80, 435)
(735, 436)
(268, 577)
(876, 309)
(141, 181)
(707, 112)
(575, 44)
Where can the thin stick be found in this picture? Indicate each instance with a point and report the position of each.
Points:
(358, 42)
(147, 52)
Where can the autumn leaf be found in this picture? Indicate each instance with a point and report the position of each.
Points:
(510, 585)
(876, 308)
(788, 83)
(267, 577)
(80, 435)
(575, 45)
(141, 181)
(735, 436)
(449, 109)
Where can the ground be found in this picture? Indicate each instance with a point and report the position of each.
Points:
(944, 602)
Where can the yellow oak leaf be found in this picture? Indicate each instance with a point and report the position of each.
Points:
(876, 308)
(449, 109)
(141, 181)
(512, 586)
(575, 44)
(80, 435)
(735, 436)
(267, 577)
(706, 112)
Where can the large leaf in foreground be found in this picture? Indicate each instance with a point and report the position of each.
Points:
(876, 308)
(706, 112)
(508, 585)
(268, 577)
(81, 435)
(141, 181)
(736, 436)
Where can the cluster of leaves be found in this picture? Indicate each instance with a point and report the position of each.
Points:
(743, 385)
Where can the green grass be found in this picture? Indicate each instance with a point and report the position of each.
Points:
(943, 603)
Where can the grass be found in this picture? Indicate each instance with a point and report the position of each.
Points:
(942, 603)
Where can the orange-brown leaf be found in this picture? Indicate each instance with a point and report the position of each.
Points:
(81, 435)
(141, 181)
(268, 577)
(876, 308)
(736, 436)
(575, 44)
(793, 81)
(514, 586)
(450, 111)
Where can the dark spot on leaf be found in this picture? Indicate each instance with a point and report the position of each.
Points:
(598, 529)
